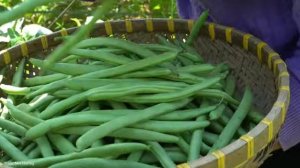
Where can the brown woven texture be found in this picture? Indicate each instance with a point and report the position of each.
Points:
(268, 77)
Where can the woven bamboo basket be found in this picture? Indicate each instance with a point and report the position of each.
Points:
(253, 63)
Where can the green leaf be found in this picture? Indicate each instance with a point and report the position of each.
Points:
(12, 33)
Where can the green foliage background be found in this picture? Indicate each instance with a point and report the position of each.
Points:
(47, 16)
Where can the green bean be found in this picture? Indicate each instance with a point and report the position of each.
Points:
(61, 51)
(140, 134)
(186, 114)
(197, 136)
(230, 85)
(59, 107)
(172, 126)
(70, 59)
(102, 151)
(176, 156)
(44, 146)
(215, 114)
(100, 93)
(70, 69)
(117, 43)
(213, 93)
(11, 150)
(100, 163)
(216, 127)
(86, 84)
(12, 127)
(158, 47)
(34, 88)
(159, 152)
(24, 107)
(148, 73)
(20, 10)
(184, 77)
(164, 41)
(35, 153)
(132, 66)
(210, 138)
(221, 69)
(97, 133)
(187, 136)
(193, 56)
(19, 115)
(95, 62)
(190, 52)
(188, 78)
(198, 69)
(42, 80)
(65, 93)
(167, 97)
(135, 156)
(42, 100)
(229, 88)
(112, 93)
(97, 143)
(18, 76)
(112, 50)
(235, 121)
(61, 143)
(196, 141)
(14, 90)
(225, 119)
(104, 56)
(255, 116)
(12, 139)
(204, 149)
(184, 61)
(169, 127)
(63, 122)
(72, 138)
(183, 145)
(117, 105)
(5, 111)
(88, 118)
(29, 148)
(79, 107)
(241, 132)
(50, 104)
(197, 27)
(176, 115)
(48, 88)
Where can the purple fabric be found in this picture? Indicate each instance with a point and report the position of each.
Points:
(275, 21)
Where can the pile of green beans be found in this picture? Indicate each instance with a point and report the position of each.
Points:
(112, 102)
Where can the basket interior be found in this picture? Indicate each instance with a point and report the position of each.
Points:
(244, 66)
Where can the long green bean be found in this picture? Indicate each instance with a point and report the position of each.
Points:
(235, 121)
(89, 137)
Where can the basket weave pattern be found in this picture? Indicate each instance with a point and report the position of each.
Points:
(253, 63)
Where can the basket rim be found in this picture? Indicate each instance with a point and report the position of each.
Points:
(250, 143)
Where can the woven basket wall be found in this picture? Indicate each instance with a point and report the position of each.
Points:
(253, 63)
